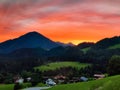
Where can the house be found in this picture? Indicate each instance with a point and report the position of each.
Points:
(99, 76)
(50, 82)
(19, 80)
(29, 79)
(84, 79)
(59, 77)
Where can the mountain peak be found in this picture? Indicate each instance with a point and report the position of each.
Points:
(33, 33)
(29, 40)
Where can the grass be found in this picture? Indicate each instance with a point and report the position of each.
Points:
(11, 86)
(7, 87)
(40, 85)
(86, 49)
(110, 83)
(57, 65)
(115, 46)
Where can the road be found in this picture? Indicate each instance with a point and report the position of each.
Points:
(37, 88)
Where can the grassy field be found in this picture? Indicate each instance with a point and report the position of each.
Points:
(11, 86)
(115, 46)
(7, 87)
(57, 65)
(86, 49)
(110, 83)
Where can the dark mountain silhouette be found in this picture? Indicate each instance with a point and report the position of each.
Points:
(29, 40)
(28, 52)
(65, 44)
(58, 51)
(107, 42)
(102, 44)
(35, 45)
(85, 45)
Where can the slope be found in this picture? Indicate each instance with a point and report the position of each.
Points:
(110, 83)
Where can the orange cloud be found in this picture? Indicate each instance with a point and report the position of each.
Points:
(60, 20)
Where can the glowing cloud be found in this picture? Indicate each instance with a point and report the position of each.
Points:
(60, 20)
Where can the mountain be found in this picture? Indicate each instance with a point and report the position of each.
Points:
(65, 44)
(34, 44)
(29, 40)
(28, 52)
(58, 51)
(107, 43)
(85, 45)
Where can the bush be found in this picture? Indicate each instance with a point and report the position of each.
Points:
(26, 85)
(18, 86)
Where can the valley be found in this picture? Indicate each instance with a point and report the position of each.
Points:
(34, 59)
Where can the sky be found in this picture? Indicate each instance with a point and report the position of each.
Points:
(66, 21)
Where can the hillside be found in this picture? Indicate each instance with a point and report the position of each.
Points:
(7, 87)
(85, 50)
(107, 42)
(57, 65)
(110, 83)
(114, 46)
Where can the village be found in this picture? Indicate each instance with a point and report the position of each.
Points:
(59, 79)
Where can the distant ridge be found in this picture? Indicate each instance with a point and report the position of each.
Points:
(65, 44)
(107, 42)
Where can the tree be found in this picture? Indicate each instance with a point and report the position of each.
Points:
(114, 65)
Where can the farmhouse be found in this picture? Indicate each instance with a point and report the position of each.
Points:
(99, 76)
(20, 80)
(50, 82)
(84, 79)
(60, 78)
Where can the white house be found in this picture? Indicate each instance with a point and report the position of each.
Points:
(50, 82)
(20, 80)
(29, 79)
(99, 76)
(84, 79)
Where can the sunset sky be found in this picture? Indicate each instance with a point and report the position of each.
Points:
(60, 20)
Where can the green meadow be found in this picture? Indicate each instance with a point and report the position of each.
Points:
(57, 65)
(11, 86)
(7, 87)
(86, 49)
(110, 83)
(115, 46)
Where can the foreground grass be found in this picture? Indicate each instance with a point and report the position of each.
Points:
(57, 65)
(41, 85)
(7, 87)
(110, 83)
(11, 86)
